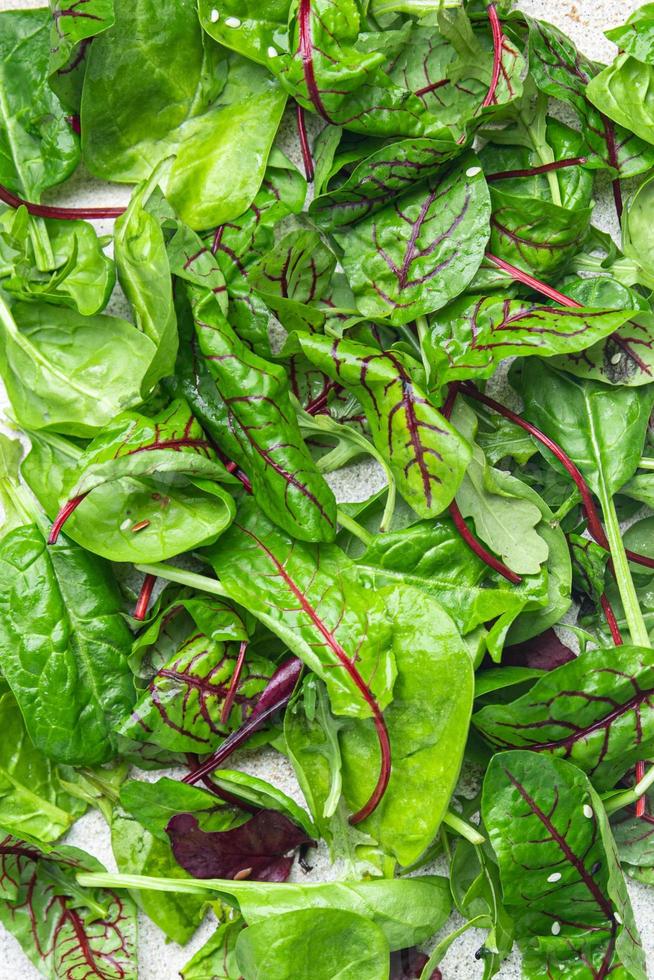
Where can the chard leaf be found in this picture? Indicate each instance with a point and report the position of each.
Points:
(559, 870)
(425, 452)
(418, 253)
(310, 597)
(257, 428)
(65, 930)
(321, 943)
(470, 336)
(261, 846)
(70, 373)
(596, 711)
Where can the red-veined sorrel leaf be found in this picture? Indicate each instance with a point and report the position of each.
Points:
(182, 708)
(257, 850)
(260, 431)
(420, 251)
(425, 452)
(634, 836)
(562, 72)
(310, 596)
(74, 24)
(560, 875)
(469, 337)
(597, 710)
(68, 932)
(385, 174)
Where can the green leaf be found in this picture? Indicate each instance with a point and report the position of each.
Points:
(33, 794)
(154, 804)
(64, 929)
(559, 870)
(321, 943)
(67, 372)
(215, 113)
(469, 337)
(426, 454)
(63, 646)
(216, 960)
(636, 35)
(594, 711)
(260, 21)
(254, 422)
(70, 34)
(623, 93)
(416, 255)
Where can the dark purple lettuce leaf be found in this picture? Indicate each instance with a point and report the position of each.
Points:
(258, 850)
(544, 652)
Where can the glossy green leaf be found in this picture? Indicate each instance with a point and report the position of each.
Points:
(558, 866)
(259, 22)
(131, 122)
(217, 958)
(71, 31)
(67, 372)
(321, 943)
(257, 428)
(417, 254)
(594, 711)
(426, 453)
(636, 35)
(623, 93)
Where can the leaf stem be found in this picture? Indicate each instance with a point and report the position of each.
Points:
(141, 609)
(614, 802)
(304, 143)
(545, 168)
(354, 528)
(646, 464)
(498, 43)
(463, 828)
(46, 211)
(183, 577)
(625, 583)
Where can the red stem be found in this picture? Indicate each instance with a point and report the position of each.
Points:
(63, 515)
(320, 401)
(46, 211)
(478, 548)
(594, 523)
(233, 685)
(145, 595)
(498, 41)
(609, 135)
(642, 802)
(532, 282)
(612, 621)
(304, 143)
(535, 171)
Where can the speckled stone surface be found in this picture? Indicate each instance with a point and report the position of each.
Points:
(584, 21)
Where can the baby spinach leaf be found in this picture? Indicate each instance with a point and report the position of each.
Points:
(470, 336)
(217, 958)
(621, 92)
(193, 101)
(259, 849)
(416, 255)
(65, 930)
(257, 428)
(138, 852)
(425, 452)
(67, 372)
(39, 149)
(636, 35)
(595, 711)
(427, 724)
(260, 22)
(179, 515)
(73, 27)
(558, 866)
(321, 943)
(35, 801)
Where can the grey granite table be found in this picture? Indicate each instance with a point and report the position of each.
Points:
(584, 21)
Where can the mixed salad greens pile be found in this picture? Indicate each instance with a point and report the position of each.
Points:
(177, 581)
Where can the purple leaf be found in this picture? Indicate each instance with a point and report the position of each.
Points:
(408, 964)
(259, 850)
(544, 652)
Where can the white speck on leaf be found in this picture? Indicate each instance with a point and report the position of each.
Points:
(556, 928)
(272, 52)
(126, 523)
(588, 811)
(556, 876)
(617, 918)
(473, 171)
(232, 22)
(616, 358)
(215, 15)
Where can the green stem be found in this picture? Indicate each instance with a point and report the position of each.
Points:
(569, 504)
(183, 577)
(625, 583)
(43, 254)
(423, 330)
(354, 528)
(463, 828)
(478, 922)
(419, 8)
(614, 802)
(646, 464)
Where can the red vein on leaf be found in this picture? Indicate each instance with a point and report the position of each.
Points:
(145, 595)
(594, 522)
(48, 211)
(609, 135)
(535, 171)
(432, 88)
(304, 143)
(498, 41)
(233, 685)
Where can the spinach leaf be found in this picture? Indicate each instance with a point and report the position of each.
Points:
(415, 255)
(560, 876)
(321, 943)
(217, 958)
(621, 92)
(67, 372)
(70, 35)
(192, 103)
(594, 711)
